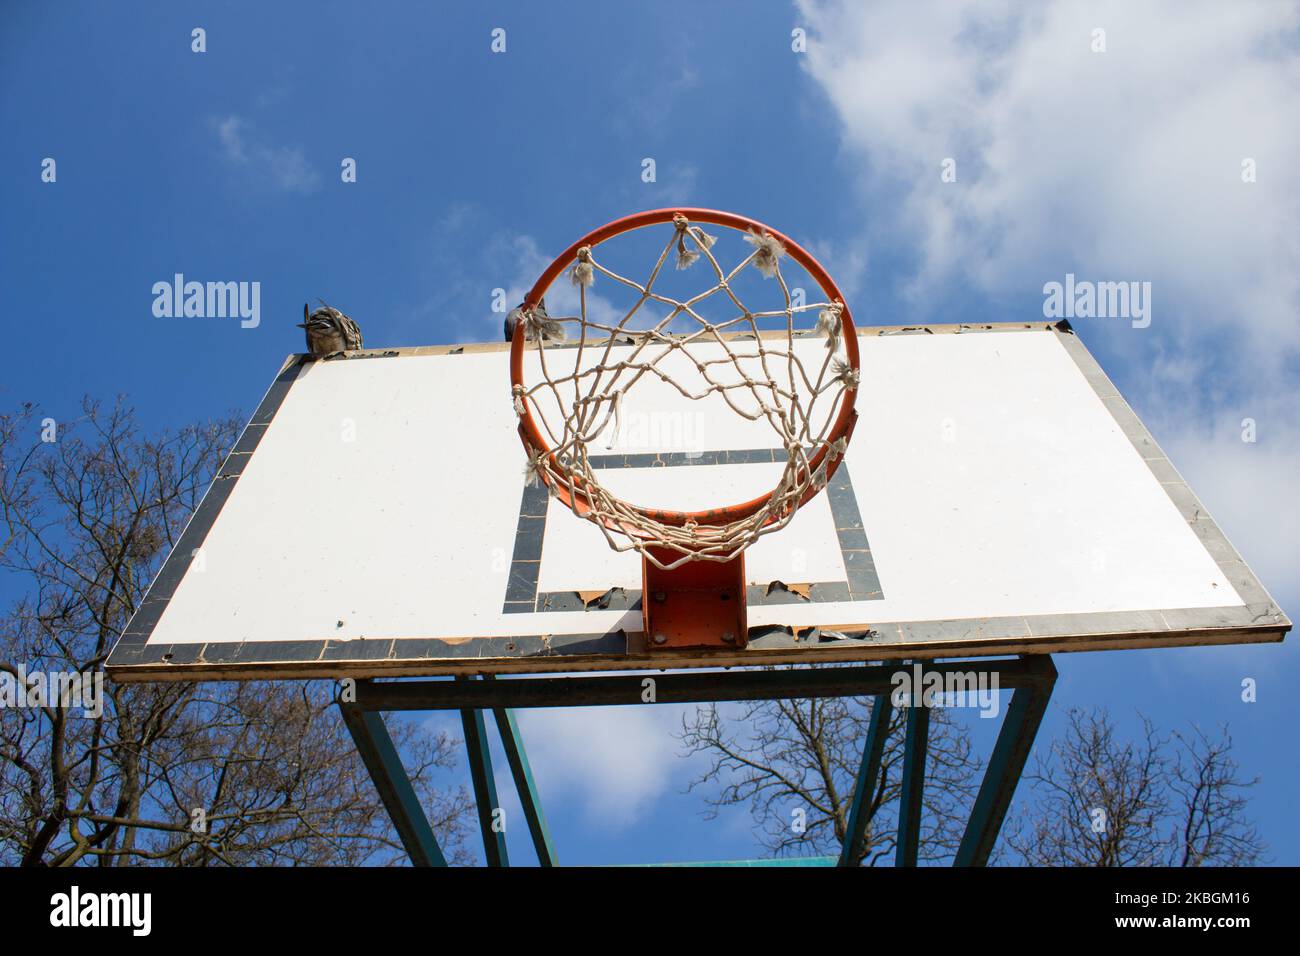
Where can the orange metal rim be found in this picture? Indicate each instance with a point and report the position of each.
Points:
(534, 442)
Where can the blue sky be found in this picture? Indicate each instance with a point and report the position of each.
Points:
(475, 168)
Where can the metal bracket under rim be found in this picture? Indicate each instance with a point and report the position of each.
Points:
(700, 604)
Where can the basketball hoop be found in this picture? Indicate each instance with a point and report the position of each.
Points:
(586, 369)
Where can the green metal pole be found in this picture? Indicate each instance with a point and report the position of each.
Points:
(485, 788)
(384, 765)
(909, 805)
(513, 744)
(1015, 739)
(872, 752)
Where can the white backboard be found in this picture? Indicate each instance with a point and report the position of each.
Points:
(998, 496)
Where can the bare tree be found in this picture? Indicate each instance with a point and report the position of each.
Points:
(1091, 800)
(172, 773)
(1096, 800)
(795, 762)
(1209, 805)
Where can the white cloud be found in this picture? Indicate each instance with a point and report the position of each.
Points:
(654, 97)
(614, 761)
(1124, 163)
(283, 167)
(525, 262)
(847, 262)
(676, 184)
(1248, 487)
(473, 261)
(229, 132)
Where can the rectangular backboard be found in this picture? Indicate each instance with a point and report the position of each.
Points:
(999, 496)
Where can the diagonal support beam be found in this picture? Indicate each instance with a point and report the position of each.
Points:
(909, 804)
(512, 742)
(384, 765)
(1015, 740)
(869, 771)
(517, 757)
(485, 788)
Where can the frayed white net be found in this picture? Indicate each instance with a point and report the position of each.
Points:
(588, 367)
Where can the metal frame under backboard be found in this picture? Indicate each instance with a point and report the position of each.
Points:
(1256, 619)
(1031, 679)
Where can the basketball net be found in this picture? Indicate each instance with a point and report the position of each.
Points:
(588, 368)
